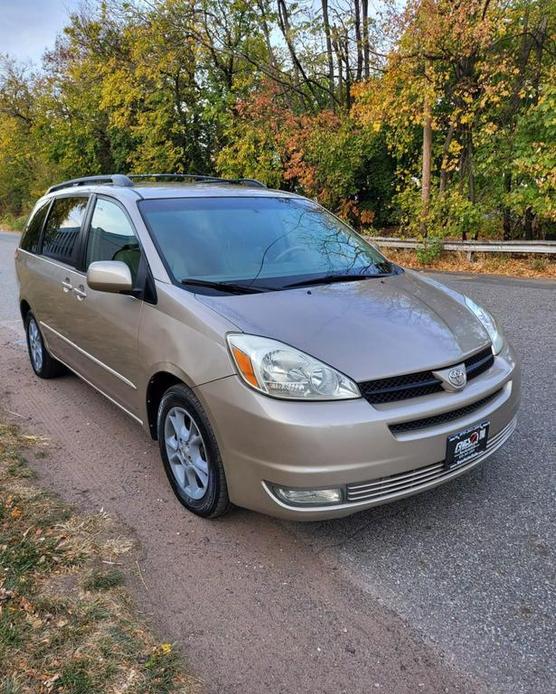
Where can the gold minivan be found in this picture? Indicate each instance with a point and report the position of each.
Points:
(281, 361)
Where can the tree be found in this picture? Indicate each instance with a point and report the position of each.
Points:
(17, 115)
(434, 114)
(469, 65)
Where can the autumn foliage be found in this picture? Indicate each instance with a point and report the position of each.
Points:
(432, 116)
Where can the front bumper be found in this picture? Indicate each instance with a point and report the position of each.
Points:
(349, 444)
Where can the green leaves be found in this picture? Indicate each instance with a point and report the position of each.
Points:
(328, 109)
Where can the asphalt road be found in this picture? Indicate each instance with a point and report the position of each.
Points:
(452, 590)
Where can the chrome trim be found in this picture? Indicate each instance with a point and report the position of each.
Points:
(419, 475)
(114, 402)
(413, 480)
(428, 482)
(90, 356)
(52, 262)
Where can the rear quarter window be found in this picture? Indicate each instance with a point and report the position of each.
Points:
(63, 227)
(32, 235)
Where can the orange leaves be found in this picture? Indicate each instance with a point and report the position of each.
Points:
(294, 142)
(367, 217)
(318, 154)
(15, 511)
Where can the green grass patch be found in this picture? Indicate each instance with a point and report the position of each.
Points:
(104, 580)
(10, 686)
(66, 622)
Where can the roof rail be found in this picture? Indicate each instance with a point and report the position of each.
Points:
(114, 179)
(127, 181)
(200, 178)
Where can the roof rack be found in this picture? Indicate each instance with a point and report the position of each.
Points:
(200, 178)
(127, 181)
(114, 179)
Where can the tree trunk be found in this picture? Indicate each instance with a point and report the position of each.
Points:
(540, 37)
(348, 71)
(266, 32)
(358, 41)
(340, 71)
(427, 160)
(528, 224)
(365, 29)
(329, 54)
(507, 213)
(471, 194)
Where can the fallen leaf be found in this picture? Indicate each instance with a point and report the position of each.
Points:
(51, 681)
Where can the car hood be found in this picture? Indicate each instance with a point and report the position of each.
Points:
(367, 329)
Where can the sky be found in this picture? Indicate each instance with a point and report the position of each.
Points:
(28, 27)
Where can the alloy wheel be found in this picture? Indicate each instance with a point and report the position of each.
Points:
(186, 452)
(35, 344)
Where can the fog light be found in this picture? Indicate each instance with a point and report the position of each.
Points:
(309, 497)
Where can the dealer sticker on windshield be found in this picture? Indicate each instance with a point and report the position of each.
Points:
(462, 447)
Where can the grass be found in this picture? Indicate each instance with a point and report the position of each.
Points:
(488, 263)
(67, 623)
(11, 222)
(104, 580)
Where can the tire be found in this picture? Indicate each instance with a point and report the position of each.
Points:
(190, 454)
(44, 365)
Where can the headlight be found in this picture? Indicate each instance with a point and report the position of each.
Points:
(489, 324)
(284, 372)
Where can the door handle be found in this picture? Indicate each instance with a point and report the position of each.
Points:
(80, 292)
(66, 284)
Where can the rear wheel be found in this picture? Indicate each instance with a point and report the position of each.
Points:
(190, 454)
(44, 365)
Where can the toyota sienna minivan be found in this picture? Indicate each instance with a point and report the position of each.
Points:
(280, 360)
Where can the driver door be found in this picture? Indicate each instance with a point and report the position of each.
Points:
(106, 327)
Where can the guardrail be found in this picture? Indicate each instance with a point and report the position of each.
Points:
(470, 247)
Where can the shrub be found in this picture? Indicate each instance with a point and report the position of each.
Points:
(430, 250)
(449, 214)
(12, 222)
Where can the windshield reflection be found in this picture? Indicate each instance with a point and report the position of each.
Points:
(262, 242)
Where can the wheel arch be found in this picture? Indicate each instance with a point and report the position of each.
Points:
(163, 378)
(24, 308)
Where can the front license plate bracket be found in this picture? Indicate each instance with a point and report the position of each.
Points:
(463, 447)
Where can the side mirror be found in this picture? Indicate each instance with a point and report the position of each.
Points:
(109, 276)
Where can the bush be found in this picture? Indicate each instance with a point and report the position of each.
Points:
(450, 215)
(12, 222)
(430, 250)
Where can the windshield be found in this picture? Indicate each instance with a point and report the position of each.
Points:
(259, 243)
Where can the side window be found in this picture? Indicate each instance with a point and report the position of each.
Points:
(32, 235)
(111, 237)
(62, 228)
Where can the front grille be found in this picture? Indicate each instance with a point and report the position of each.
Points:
(422, 383)
(385, 488)
(477, 363)
(442, 418)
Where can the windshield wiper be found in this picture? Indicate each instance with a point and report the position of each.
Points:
(329, 279)
(230, 287)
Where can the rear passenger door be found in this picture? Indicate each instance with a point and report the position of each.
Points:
(105, 325)
(52, 299)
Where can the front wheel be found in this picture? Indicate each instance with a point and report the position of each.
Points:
(44, 365)
(190, 454)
